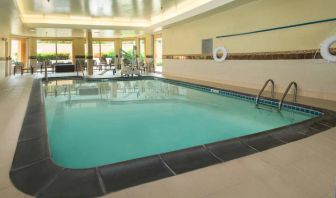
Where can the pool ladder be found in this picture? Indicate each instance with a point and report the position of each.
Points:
(272, 92)
(286, 92)
(263, 88)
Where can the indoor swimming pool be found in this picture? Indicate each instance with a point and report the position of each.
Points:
(95, 123)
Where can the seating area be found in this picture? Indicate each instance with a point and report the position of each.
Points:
(125, 66)
(20, 67)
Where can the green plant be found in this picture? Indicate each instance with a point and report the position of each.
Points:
(129, 55)
(142, 56)
(159, 62)
(110, 54)
(52, 56)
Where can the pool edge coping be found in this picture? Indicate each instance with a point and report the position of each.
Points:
(107, 178)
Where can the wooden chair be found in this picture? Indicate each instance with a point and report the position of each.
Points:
(20, 66)
(103, 62)
(149, 64)
(142, 66)
(47, 64)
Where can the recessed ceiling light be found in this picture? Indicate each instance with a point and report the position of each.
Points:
(32, 30)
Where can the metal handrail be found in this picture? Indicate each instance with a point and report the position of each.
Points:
(45, 72)
(80, 64)
(286, 92)
(263, 88)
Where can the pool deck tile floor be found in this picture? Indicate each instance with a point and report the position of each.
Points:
(304, 168)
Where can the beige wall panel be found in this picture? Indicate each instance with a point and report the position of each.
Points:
(262, 14)
(315, 78)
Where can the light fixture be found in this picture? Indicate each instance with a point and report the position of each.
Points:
(158, 29)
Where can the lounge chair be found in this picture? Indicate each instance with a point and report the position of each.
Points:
(20, 66)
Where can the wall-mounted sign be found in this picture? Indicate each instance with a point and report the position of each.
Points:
(207, 45)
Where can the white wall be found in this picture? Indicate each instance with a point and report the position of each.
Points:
(315, 78)
(2, 62)
(256, 15)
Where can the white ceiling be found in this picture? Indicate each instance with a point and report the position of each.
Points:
(141, 9)
(108, 18)
(96, 33)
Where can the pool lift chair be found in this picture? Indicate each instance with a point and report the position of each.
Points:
(129, 71)
(132, 69)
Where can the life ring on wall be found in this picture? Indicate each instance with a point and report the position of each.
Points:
(222, 50)
(325, 49)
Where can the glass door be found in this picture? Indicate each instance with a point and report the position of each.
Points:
(158, 53)
(127, 47)
(142, 49)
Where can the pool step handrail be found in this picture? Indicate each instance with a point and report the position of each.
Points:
(263, 88)
(80, 65)
(293, 83)
(45, 71)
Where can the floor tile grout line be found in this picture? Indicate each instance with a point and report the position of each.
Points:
(101, 181)
(249, 146)
(211, 153)
(166, 165)
(280, 140)
(324, 124)
(29, 165)
(315, 129)
(51, 181)
(30, 139)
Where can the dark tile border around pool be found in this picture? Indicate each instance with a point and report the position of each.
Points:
(33, 172)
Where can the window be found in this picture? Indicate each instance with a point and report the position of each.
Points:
(55, 51)
(142, 49)
(158, 54)
(107, 50)
(96, 51)
(15, 50)
(64, 51)
(103, 49)
(127, 46)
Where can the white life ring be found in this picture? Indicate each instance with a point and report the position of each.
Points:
(325, 49)
(220, 49)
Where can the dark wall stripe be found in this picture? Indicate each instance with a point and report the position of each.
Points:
(279, 28)
(283, 55)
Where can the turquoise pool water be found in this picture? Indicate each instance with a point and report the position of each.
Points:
(97, 123)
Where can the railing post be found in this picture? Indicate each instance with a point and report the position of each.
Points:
(263, 88)
(45, 71)
(286, 92)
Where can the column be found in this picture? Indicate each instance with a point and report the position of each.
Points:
(117, 46)
(32, 52)
(89, 52)
(137, 43)
(2, 57)
(78, 48)
(23, 52)
(7, 54)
